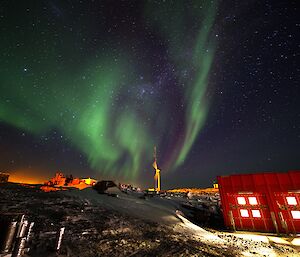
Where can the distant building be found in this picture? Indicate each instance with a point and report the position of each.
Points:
(61, 180)
(89, 181)
(4, 177)
(58, 180)
(216, 186)
(268, 202)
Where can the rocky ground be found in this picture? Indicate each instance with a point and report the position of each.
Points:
(95, 230)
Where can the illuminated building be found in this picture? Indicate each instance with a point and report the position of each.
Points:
(268, 202)
(60, 180)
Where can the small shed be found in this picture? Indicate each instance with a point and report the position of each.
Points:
(267, 202)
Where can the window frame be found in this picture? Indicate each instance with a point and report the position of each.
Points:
(295, 213)
(254, 199)
(291, 200)
(243, 199)
(243, 212)
(256, 211)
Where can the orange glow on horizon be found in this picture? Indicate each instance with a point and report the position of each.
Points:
(26, 177)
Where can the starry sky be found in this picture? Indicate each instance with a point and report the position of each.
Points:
(90, 87)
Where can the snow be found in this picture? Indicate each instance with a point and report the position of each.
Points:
(166, 211)
(129, 225)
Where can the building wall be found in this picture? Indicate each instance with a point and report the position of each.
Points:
(262, 201)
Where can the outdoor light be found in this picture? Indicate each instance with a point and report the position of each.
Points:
(244, 213)
(241, 200)
(296, 214)
(252, 200)
(256, 213)
(291, 200)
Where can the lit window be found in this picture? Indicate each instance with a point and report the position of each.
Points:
(244, 213)
(241, 200)
(252, 200)
(256, 214)
(291, 200)
(296, 214)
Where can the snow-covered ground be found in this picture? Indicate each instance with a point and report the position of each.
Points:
(166, 211)
(127, 225)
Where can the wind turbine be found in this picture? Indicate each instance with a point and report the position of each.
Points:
(157, 172)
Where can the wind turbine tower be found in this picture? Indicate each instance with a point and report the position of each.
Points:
(157, 172)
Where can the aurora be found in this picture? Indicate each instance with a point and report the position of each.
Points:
(92, 87)
(93, 104)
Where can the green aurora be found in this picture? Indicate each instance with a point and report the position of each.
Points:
(79, 95)
(201, 53)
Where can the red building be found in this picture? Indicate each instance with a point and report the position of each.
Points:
(268, 202)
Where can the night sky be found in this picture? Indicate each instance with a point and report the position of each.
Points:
(90, 87)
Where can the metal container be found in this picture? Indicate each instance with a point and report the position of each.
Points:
(8, 230)
(23, 228)
(19, 247)
(268, 202)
